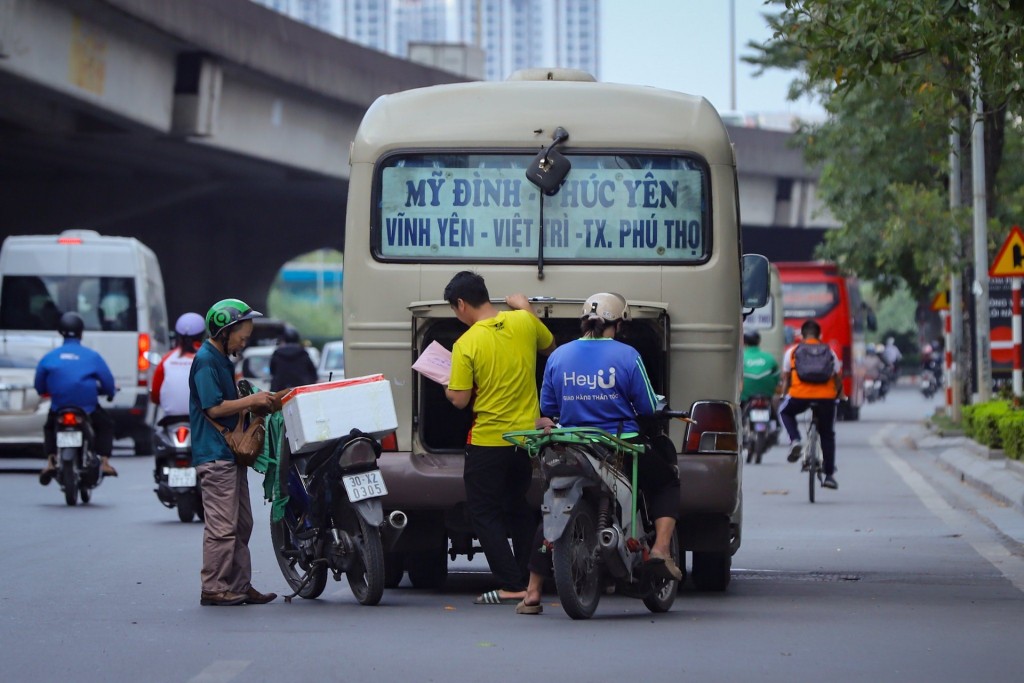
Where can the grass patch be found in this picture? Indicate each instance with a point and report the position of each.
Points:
(944, 423)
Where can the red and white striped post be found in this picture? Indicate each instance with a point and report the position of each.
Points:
(1018, 378)
(949, 363)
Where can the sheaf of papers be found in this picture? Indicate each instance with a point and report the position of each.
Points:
(435, 363)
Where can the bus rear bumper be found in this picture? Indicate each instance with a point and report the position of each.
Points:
(709, 484)
(422, 481)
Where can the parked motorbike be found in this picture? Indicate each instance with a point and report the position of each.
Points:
(333, 519)
(175, 477)
(77, 462)
(598, 530)
(760, 429)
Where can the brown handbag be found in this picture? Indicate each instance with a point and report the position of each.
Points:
(246, 439)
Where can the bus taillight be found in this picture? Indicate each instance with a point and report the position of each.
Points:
(713, 430)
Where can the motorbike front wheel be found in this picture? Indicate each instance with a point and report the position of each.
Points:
(366, 576)
(69, 480)
(287, 558)
(577, 576)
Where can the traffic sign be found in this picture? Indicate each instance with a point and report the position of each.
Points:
(1009, 262)
(941, 301)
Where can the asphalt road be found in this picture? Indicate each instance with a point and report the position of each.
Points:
(902, 574)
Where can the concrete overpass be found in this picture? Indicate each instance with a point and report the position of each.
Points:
(217, 132)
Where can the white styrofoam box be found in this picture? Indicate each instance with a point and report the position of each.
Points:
(316, 413)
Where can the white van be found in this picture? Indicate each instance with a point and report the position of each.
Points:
(115, 284)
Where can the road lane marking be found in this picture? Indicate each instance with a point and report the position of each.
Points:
(1008, 564)
(221, 671)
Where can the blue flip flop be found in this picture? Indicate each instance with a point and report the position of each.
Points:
(494, 598)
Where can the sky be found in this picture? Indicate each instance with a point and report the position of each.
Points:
(683, 45)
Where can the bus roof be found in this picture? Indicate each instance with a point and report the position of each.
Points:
(490, 115)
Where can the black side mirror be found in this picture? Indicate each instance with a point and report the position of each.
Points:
(756, 281)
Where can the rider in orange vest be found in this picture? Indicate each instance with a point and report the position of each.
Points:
(821, 396)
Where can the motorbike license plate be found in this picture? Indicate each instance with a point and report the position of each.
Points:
(364, 485)
(760, 415)
(181, 476)
(70, 439)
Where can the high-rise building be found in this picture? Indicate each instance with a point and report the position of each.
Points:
(367, 22)
(514, 34)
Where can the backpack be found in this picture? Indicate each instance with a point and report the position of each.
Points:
(814, 363)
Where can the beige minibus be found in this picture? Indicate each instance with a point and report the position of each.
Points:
(556, 186)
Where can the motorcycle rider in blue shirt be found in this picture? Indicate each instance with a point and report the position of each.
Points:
(598, 381)
(75, 376)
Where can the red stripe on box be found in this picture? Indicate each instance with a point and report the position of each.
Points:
(327, 386)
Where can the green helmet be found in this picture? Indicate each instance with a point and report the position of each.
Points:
(226, 313)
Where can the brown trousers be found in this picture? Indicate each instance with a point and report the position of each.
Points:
(226, 562)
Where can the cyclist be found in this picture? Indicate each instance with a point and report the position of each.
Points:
(74, 376)
(170, 379)
(812, 378)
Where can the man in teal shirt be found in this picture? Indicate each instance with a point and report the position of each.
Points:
(760, 369)
(213, 398)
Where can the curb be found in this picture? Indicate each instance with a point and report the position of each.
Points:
(986, 469)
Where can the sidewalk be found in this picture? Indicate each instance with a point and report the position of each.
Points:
(986, 469)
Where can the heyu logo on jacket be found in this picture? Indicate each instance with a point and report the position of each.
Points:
(590, 381)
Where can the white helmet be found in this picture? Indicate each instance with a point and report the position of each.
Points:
(607, 306)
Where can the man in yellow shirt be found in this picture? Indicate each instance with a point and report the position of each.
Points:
(494, 368)
(812, 378)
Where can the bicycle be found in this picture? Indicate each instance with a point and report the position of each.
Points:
(813, 461)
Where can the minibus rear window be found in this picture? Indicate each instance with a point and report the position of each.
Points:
(809, 299)
(36, 302)
(637, 207)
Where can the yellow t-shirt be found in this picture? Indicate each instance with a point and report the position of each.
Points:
(498, 358)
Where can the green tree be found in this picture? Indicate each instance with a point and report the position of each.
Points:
(892, 76)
